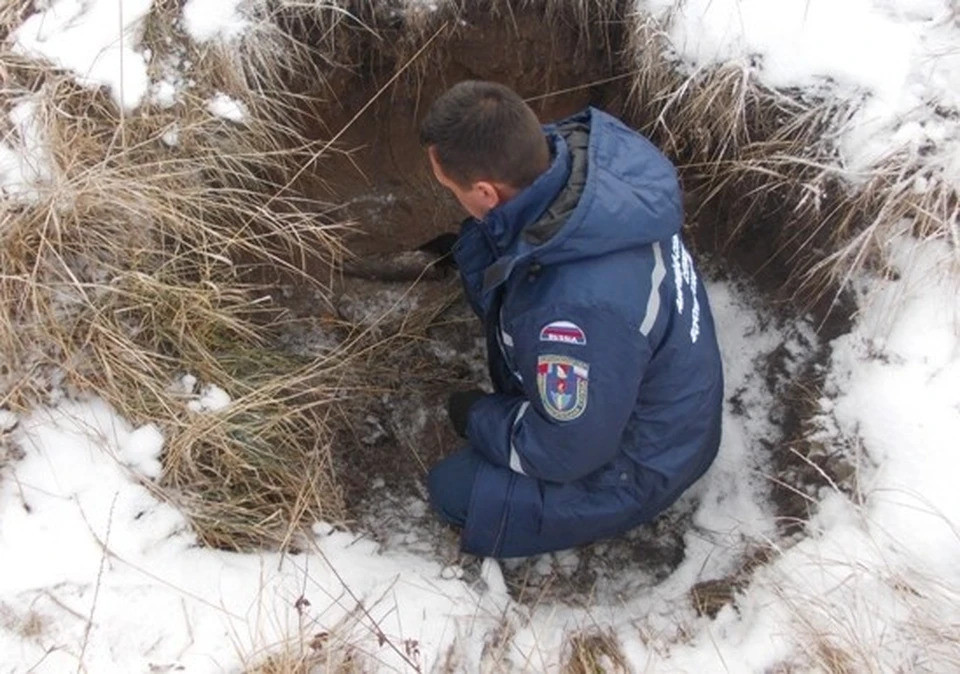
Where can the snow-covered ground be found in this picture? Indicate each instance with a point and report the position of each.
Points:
(80, 481)
(99, 573)
(98, 569)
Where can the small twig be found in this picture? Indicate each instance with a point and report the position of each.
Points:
(186, 620)
(52, 597)
(595, 83)
(45, 655)
(123, 130)
(96, 589)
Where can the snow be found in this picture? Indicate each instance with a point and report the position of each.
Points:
(879, 572)
(8, 420)
(205, 20)
(171, 136)
(880, 569)
(227, 108)
(900, 66)
(422, 6)
(212, 399)
(140, 451)
(165, 93)
(734, 504)
(897, 384)
(187, 383)
(85, 541)
(97, 40)
(25, 161)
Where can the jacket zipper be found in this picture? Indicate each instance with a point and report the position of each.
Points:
(498, 325)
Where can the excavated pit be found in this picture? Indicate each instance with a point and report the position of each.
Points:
(381, 176)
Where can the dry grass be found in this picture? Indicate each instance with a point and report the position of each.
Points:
(12, 13)
(761, 163)
(319, 657)
(348, 646)
(27, 624)
(155, 249)
(595, 652)
(873, 623)
(144, 257)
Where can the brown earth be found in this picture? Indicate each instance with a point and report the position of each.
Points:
(384, 180)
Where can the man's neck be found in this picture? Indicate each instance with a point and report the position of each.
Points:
(506, 192)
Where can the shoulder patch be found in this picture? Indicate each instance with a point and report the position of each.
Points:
(563, 331)
(562, 383)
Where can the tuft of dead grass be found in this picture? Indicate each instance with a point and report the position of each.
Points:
(595, 652)
(27, 624)
(155, 247)
(319, 658)
(12, 14)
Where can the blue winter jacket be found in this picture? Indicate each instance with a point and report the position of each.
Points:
(601, 348)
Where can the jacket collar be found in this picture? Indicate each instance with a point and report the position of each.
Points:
(505, 222)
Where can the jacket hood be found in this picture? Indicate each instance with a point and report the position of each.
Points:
(607, 189)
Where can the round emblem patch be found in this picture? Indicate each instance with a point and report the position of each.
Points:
(562, 383)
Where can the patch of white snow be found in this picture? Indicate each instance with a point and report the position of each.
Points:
(205, 20)
(25, 161)
(228, 108)
(97, 40)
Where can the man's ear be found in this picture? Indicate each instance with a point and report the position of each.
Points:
(488, 193)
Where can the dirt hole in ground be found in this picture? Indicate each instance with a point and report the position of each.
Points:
(382, 178)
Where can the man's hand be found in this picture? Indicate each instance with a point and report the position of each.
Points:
(442, 247)
(458, 409)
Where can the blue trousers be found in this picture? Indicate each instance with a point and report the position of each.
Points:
(450, 483)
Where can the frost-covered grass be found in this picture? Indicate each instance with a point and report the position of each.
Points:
(145, 231)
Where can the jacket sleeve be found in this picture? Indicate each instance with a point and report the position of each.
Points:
(581, 373)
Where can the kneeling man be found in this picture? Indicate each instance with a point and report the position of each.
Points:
(600, 342)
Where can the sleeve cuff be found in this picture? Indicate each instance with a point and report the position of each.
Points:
(490, 427)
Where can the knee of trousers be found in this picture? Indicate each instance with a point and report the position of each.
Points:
(450, 483)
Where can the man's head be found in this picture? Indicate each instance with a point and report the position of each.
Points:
(485, 144)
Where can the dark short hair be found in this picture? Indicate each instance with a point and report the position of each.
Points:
(484, 131)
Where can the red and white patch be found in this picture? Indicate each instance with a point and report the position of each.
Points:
(562, 383)
(564, 332)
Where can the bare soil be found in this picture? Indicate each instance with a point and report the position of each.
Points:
(384, 180)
